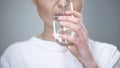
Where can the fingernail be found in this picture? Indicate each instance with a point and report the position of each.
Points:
(61, 22)
(66, 11)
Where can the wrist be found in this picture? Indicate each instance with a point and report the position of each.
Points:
(90, 65)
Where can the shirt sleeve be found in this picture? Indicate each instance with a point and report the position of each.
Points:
(11, 58)
(115, 58)
(4, 63)
(117, 64)
(106, 55)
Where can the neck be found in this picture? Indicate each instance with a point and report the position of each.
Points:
(47, 34)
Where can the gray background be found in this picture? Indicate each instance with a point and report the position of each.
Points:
(19, 21)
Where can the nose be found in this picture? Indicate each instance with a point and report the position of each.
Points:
(62, 4)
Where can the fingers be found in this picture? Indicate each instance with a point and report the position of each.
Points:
(77, 26)
(74, 20)
(69, 38)
(69, 19)
(72, 16)
(74, 13)
(72, 26)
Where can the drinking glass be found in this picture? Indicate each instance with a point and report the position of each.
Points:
(58, 29)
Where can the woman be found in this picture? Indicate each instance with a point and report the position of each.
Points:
(43, 52)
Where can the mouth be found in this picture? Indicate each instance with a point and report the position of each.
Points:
(59, 14)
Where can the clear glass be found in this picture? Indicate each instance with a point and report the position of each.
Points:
(58, 29)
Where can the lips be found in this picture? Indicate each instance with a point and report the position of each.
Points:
(59, 14)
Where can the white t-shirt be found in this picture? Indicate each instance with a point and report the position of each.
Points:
(38, 53)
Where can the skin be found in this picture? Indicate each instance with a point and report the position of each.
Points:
(80, 47)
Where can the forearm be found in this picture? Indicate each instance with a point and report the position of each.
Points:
(86, 58)
(90, 65)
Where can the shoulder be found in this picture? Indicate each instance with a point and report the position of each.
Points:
(16, 49)
(18, 52)
(105, 53)
(101, 46)
(11, 54)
